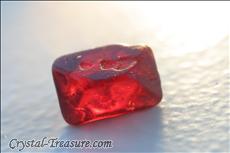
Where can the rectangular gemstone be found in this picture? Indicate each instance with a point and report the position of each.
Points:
(105, 82)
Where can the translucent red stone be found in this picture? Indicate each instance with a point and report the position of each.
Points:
(105, 82)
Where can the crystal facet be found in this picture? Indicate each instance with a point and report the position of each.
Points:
(105, 82)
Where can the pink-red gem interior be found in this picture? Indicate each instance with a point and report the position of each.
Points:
(105, 82)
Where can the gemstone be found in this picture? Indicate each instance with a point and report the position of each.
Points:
(105, 82)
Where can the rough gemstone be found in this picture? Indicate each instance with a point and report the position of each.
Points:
(106, 82)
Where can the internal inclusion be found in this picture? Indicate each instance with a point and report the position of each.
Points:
(121, 64)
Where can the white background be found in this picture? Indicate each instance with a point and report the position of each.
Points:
(191, 46)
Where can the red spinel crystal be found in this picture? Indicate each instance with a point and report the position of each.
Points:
(105, 82)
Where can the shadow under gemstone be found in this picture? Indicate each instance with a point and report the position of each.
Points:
(140, 131)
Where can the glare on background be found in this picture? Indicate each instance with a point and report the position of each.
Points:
(175, 28)
(183, 26)
(180, 27)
